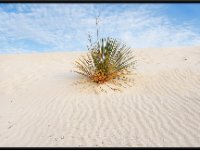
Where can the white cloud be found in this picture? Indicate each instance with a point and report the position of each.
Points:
(65, 26)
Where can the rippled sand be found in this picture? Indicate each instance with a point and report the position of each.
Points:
(40, 105)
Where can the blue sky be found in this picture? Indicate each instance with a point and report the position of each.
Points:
(35, 27)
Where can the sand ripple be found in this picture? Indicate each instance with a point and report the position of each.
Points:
(39, 106)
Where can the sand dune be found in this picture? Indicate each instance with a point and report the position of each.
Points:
(41, 106)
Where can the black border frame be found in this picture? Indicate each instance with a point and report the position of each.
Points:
(99, 1)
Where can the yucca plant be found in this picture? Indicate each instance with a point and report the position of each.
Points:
(107, 59)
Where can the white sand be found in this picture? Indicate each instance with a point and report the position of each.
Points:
(40, 107)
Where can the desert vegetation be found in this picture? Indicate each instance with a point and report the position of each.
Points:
(107, 60)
